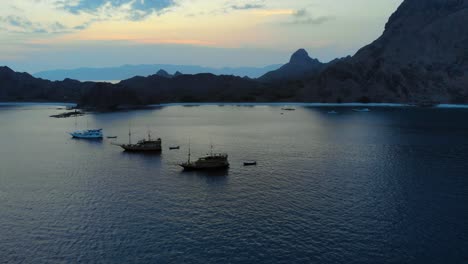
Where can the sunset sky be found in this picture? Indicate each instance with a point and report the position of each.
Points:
(39, 35)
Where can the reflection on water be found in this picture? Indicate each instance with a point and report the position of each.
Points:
(213, 173)
(387, 186)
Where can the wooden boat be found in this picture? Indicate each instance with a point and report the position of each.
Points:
(211, 161)
(250, 163)
(144, 145)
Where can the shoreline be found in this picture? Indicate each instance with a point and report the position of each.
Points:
(277, 104)
(285, 104)
(38, 104)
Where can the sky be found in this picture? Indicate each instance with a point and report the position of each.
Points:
(38, 35)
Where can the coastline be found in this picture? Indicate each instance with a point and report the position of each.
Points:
(277, 104)
(38, 103)
(299, 104)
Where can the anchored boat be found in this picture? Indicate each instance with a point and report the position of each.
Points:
(363, 110)
(144, 145)
(250, 163)
(208, 162)
(87, 134)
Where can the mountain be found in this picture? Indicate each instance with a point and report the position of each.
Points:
(129, 71)
(16, 86)
(154, 89)
(300, 66)
(163, 73)
(422, 56)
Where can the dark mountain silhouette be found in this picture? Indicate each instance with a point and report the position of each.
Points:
(421, 56)
(16, 86)
(24, 87)
(129, 71)
(183, 88)
(299, 67)
(163, 73)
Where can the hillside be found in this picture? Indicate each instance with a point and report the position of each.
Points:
(421, 56)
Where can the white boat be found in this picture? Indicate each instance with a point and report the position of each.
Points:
(363, 110)
(333, 112)
(87, 134)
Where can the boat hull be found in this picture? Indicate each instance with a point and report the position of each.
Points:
(192, 167)
(139, 149)
(85, 137)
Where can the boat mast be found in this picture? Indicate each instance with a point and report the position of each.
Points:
(211, 144)
(76, 120)
(129, 134)
(189, 151)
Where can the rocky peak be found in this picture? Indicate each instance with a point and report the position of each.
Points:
(423, 12)
(4, 70)
(301, 57)
(163, 73)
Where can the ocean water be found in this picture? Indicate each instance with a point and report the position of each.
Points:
(388, 186)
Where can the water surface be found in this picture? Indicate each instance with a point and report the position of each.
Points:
(389, 186)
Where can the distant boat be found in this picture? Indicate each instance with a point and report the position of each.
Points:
(250, 163)
(288, 109)
(87, 134)
(427, 104)
(174, 148)
(363, 110)
(333, 112)
(209, 162)
(111, 137)
(144, 145)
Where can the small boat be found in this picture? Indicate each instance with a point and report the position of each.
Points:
(333, 112)
(87, 134)
(250, 163)
(288, 109)
(427, 104)
(211, 161)
(111, 137)
(174, 148)
(363, 110)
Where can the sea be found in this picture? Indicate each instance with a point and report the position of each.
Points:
(385, 186)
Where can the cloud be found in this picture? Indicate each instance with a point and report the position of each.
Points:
(274, 12)
(301, 13)
(302, 17)
(247, 6)
(312, 21)
(17, 24)
(136, 9)
(17, 21)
